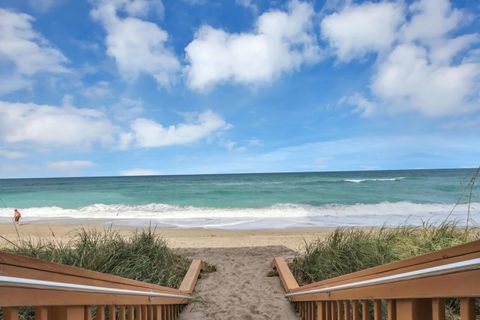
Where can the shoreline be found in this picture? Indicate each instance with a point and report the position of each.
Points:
(291, 238)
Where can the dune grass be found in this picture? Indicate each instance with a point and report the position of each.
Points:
(143, 256)
(348, 250)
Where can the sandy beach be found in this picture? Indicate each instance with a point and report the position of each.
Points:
(239, 289)
(292, 239)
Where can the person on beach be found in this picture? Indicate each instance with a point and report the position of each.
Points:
(16, 216)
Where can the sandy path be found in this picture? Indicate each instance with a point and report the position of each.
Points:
(240, 288)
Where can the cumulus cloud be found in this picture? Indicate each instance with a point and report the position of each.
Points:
(420, 68)
(408, 80)
(51, 126)
(138, 46)
(69, 165)
(140, 172)
(360, 29)
(280, 42)
(25, 52)
(146, 133)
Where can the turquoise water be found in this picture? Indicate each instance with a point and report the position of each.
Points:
(234, 199)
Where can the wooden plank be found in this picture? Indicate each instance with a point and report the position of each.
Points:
(328, 310)
(10, 313)
(467, 309)
(460, 284)
(415, 263)
(122, 312)
(438, 309)
(144, 312)
(321, 311)
(391, 310)
(12, 296)
(288, 280)
(414, 309)
(355, 310)
(8, 259)
(41, 313)
(346, 309)
(339, 310)
(112, 312)
(88, 313)
(100, 312)
(190, 279)
(67, 313)
(131, 312)
(157, 312)
(377, 310)
(365, 310)
(333, 310)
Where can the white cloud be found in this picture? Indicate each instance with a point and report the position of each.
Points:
(69, 165)
(359, 29)
(281, 42)
(138, 46)
(407, 80)
(149, 134)
(50, 126)
(11, 155)
(140, 172)
(24, 51)
(362, 105)
(420, 68)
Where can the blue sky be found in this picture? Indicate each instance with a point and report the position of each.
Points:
(126, 87)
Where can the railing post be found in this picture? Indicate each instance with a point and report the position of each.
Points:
(112, 312)
(67, 313)
(101, 312)
(41, 313)
(121, 313)
(130, 312)
(355, 311)
(365, 310)
(414, 309)
(88, 312)
(321, 310)
(391, 310)
(10, 313)
(377, 309)
(346, 308)
(467, 309)
(438, 309)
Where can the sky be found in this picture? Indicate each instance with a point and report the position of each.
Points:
(140, 87)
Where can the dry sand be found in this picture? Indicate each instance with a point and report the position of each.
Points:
(240, 288)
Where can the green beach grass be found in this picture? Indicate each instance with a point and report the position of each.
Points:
(348, 250)
(143, 256)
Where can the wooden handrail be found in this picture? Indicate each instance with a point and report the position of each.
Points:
(62, 292)
(413, 288)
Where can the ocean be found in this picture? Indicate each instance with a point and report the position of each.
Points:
(249, 201)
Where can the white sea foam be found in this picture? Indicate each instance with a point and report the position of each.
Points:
(374, 179)
(276, 216)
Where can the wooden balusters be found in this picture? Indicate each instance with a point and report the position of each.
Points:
(355, 311)
(112, 312)
(122, 313)
(41, 313)
(346, 308)
(10, 313)
(88, 313)
(391, 310)
(100, 313)
(467, 309)
(377, 309)
(438, 309)
(365, 310)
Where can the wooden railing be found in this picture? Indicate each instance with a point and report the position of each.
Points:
(60, 292)
(411, 289)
